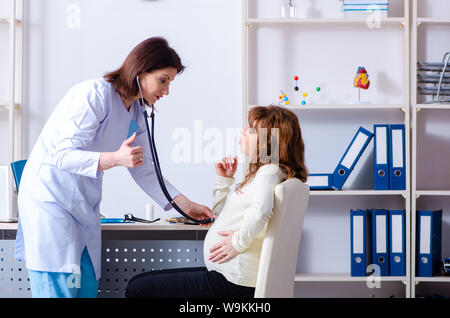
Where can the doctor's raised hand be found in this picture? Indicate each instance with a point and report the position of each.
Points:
(126, 156)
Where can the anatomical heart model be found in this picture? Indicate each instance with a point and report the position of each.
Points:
(361, 81)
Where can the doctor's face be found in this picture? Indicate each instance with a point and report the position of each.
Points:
(155, 84)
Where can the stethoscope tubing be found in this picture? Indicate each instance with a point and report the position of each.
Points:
(154, 154)
(159, 173)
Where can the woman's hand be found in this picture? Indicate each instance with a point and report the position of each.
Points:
(195, 210)
(224, 250)
(126, 156)
(227, 166)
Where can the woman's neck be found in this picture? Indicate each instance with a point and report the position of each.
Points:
(127, 102)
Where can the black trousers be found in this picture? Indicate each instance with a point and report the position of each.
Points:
(195, 282)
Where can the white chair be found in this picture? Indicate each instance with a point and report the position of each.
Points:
(278, 263)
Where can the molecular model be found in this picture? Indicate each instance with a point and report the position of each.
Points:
(304, 93)
(283, 99)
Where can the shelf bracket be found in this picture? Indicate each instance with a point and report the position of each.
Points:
(16, 106)
(404, 196)
(403, 23)
(248, 25)
(404, 282)
(418, 109)
(17, 21)
(417, 196)
(403, 109)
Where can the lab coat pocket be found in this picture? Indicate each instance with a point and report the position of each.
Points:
(88, 194)
(55, 186)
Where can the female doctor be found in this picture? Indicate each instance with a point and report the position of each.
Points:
(98, 125)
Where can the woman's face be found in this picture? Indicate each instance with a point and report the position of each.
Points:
(248, 140)
(155, 84)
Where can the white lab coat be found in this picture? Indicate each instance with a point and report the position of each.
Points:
(60, 189)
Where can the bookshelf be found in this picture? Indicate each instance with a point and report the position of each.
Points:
(358, 193)
(332, 21)
(430, 190)
(343, 278)
(11, 105)
(262, 79)
(340, 107)
(431, 21)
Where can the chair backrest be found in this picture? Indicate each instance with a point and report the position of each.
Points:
(17, 169)
(279, 254)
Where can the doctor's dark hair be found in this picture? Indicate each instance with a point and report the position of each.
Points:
(290, 147)
(149, 55)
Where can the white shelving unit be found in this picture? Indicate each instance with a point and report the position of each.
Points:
(357, 193)
(431, 21)
(339, 107)
(15, 92)
(344, 278)
(252, 23)
(436, 198)
(322, 21)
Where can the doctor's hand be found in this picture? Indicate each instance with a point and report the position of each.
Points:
(195, 210)
(227, 166)
(128, 156)
(224, 250)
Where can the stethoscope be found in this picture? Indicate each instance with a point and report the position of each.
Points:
(151, 140)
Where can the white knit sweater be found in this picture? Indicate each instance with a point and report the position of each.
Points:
(247, 214)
